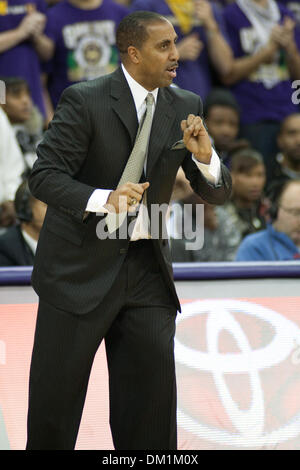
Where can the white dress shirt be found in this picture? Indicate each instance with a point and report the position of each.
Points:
(99, 196)
(31, 242)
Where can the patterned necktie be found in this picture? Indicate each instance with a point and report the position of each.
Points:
(134, 166)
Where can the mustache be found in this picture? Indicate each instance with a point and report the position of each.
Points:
(174, 65)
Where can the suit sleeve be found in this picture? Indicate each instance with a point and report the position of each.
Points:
(61, 155)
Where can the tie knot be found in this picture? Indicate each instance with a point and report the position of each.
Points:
(149, 99)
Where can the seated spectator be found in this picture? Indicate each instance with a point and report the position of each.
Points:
(280, 241)
(246, 211)
(287, 165)
(26, 120)
(18, 244)
(201, 40)
(23, 44)
(220, 239)
(83, 42)
(11, 170)
(222, 118)
(266, 43)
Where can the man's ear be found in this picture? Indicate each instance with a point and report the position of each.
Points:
(133, 54)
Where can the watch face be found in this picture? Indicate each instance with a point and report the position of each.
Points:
(256, 223)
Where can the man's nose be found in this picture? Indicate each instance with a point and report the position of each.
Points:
(174, 54)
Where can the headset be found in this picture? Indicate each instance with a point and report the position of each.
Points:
(23, 199)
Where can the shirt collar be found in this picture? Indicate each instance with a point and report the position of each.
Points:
(139, 93)
(31, 242)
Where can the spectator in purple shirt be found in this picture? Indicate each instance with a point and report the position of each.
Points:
(266, 42)
(201, 32)
(82, 34)
(22, 43)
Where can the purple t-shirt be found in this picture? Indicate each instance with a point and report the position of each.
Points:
(191, 75)
(256, 100)
(21, 60)
(84, 43)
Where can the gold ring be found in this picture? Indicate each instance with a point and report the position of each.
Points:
(133, 201)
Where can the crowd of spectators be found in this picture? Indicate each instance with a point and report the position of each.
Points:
(242, 57)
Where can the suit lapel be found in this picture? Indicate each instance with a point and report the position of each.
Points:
(162, 122)
(123, 104)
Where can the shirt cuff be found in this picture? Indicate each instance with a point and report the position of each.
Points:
(97, 200)
(211, 171)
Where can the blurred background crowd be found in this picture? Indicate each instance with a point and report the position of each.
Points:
(242, 57)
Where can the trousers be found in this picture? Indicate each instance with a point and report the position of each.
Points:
(137, 320)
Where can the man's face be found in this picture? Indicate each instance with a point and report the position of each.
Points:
(289, 139)
(158, 57)
(223, 126)
(249, 186)
(18, 105)
(288, 218)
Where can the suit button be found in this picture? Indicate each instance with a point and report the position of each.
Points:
(123, 251)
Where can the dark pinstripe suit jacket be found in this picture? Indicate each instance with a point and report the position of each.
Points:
(86, 147)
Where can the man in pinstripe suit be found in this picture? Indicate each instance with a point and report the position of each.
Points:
(113, 288)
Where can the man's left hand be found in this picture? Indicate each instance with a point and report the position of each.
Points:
(196, 138)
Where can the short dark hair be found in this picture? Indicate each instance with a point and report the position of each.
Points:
(132, 30)
(220, 97)
(14, 84)
(244, 160)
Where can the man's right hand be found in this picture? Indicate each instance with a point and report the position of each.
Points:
(121, 199)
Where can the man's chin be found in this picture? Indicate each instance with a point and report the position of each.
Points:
(165, 82)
